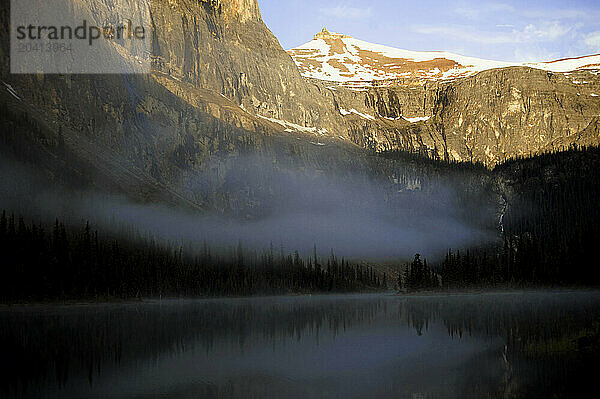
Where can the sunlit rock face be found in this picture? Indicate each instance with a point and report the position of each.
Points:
(225, 47)
(452, 106)
(243, 10)
(342, 58)
(356, 63)
(488, 117)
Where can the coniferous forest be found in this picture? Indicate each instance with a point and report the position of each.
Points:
(62, 263)
(549, 230)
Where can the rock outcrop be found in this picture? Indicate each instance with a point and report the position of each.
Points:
(224, 46)
(489, 117)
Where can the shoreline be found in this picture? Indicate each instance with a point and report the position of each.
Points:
(158, 300)
(153, 300)
(504, 291)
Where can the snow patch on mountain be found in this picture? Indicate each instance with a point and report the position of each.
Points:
(11, 91)
(353, 111)
(417, 119)
(340, 58)
(293, 127)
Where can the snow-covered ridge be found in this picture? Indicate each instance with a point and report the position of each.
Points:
(340, 58)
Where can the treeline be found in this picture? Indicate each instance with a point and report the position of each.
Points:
(418, 276)
(471, 269)
(62, 263)
(551, 226)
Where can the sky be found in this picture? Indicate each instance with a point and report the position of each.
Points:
(525, 30)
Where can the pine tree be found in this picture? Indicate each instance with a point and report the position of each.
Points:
(3, 224)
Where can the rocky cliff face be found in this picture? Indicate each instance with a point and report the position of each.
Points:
(224, 46)
(488, 117)
(451, 106)
(218, 48)
(223, 86)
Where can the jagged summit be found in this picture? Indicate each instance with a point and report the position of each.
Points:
(327, 35)
(342, 58)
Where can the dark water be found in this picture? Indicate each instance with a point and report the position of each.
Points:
(534, 344)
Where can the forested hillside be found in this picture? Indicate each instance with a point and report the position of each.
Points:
(549, 224)
(65, 263)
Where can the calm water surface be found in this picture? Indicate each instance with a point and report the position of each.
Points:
(525, 344)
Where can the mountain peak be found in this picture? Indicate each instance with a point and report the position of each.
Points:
(341, 58)
(326, 35)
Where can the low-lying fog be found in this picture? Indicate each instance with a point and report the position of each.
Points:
(262, 204)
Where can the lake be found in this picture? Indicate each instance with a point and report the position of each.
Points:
(518, 344)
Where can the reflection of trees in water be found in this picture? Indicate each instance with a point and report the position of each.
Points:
(49, 346)
(518, 318)
(551, 342)
(41, 345)
(418, 313)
